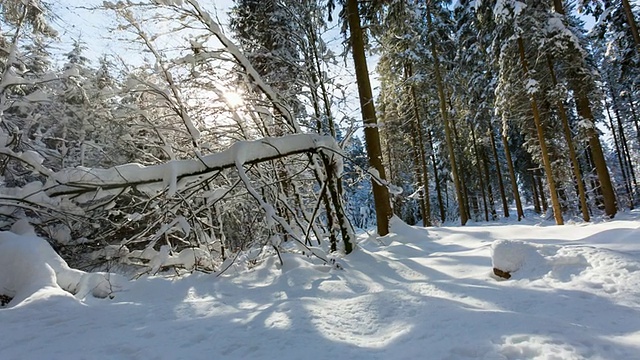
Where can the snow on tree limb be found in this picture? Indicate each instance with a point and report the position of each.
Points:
(99, 183)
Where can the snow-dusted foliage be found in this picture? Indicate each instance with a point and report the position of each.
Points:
(163, 166)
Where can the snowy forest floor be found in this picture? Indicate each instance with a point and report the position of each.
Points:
(414, 294)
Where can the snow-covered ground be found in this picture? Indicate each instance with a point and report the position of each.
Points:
(415, 294)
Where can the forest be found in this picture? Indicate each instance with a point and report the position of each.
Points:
(301, 122)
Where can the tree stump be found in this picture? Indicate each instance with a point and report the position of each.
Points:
(502, 274)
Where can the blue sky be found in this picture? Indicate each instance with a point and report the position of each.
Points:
(83, 20)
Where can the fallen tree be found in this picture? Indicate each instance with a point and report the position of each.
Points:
(149, 215)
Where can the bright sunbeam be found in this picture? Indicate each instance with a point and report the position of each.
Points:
(233, 99)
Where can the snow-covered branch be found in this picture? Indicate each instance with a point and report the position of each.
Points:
(97, 183)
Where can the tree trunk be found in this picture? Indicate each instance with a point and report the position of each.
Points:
(487, 176)
(624, 145)
(445, 120)
(536, 198)
(371, 135)
(426, 220)
(572, 151)
(512, 177)
(479, 166)
(543, 198)
(503, 196)
(623, 170)
(436, 177)
(557, 211)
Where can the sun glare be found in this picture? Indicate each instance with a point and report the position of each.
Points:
(233, 99)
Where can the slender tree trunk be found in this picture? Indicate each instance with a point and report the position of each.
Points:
(503, 196)
(485, 203)
(635, 117)
(462, 176)
(623, 164)
(323, 87)
(487, 176)
(557, 211)
(371, 135)
(436, 177)
(445, 120)
(536, 198)
(572, 151)
(426, 220)
(512, 177)
(543, 198)
(624, 144)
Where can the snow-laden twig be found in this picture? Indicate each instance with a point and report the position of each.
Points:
(246, 64)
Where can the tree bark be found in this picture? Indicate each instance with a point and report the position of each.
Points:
(557, 211)
(371, 134)
(436, 177)
(512, 177)
(503, 196)
(536, 198)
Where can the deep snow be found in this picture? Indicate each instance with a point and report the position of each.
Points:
(414, 294)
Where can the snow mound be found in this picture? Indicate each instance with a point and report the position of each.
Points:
(31, 270)
(517, 256)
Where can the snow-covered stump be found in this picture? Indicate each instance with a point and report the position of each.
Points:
(509, 256)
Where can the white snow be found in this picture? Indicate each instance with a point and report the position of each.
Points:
(30, 270)
(414, 294)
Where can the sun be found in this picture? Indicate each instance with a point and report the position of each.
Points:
(233, 99)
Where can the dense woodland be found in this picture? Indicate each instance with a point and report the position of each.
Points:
(229, 142)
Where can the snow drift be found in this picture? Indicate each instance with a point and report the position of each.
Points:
(30, 269)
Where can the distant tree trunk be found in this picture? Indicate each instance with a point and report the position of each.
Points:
(445, 120)
(624, 145)
(634, 115)
(512, 177)
(536, 198)
(503, 196)
(417, 124)
(543, 198)
(436, 177)
(572, 151)
(371, 135)
(479, 165)
(557, 211)
(487, 177)
(623, 164)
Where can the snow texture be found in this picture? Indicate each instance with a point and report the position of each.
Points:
(414, 294)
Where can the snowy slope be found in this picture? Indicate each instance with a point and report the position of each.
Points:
(414, 294)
